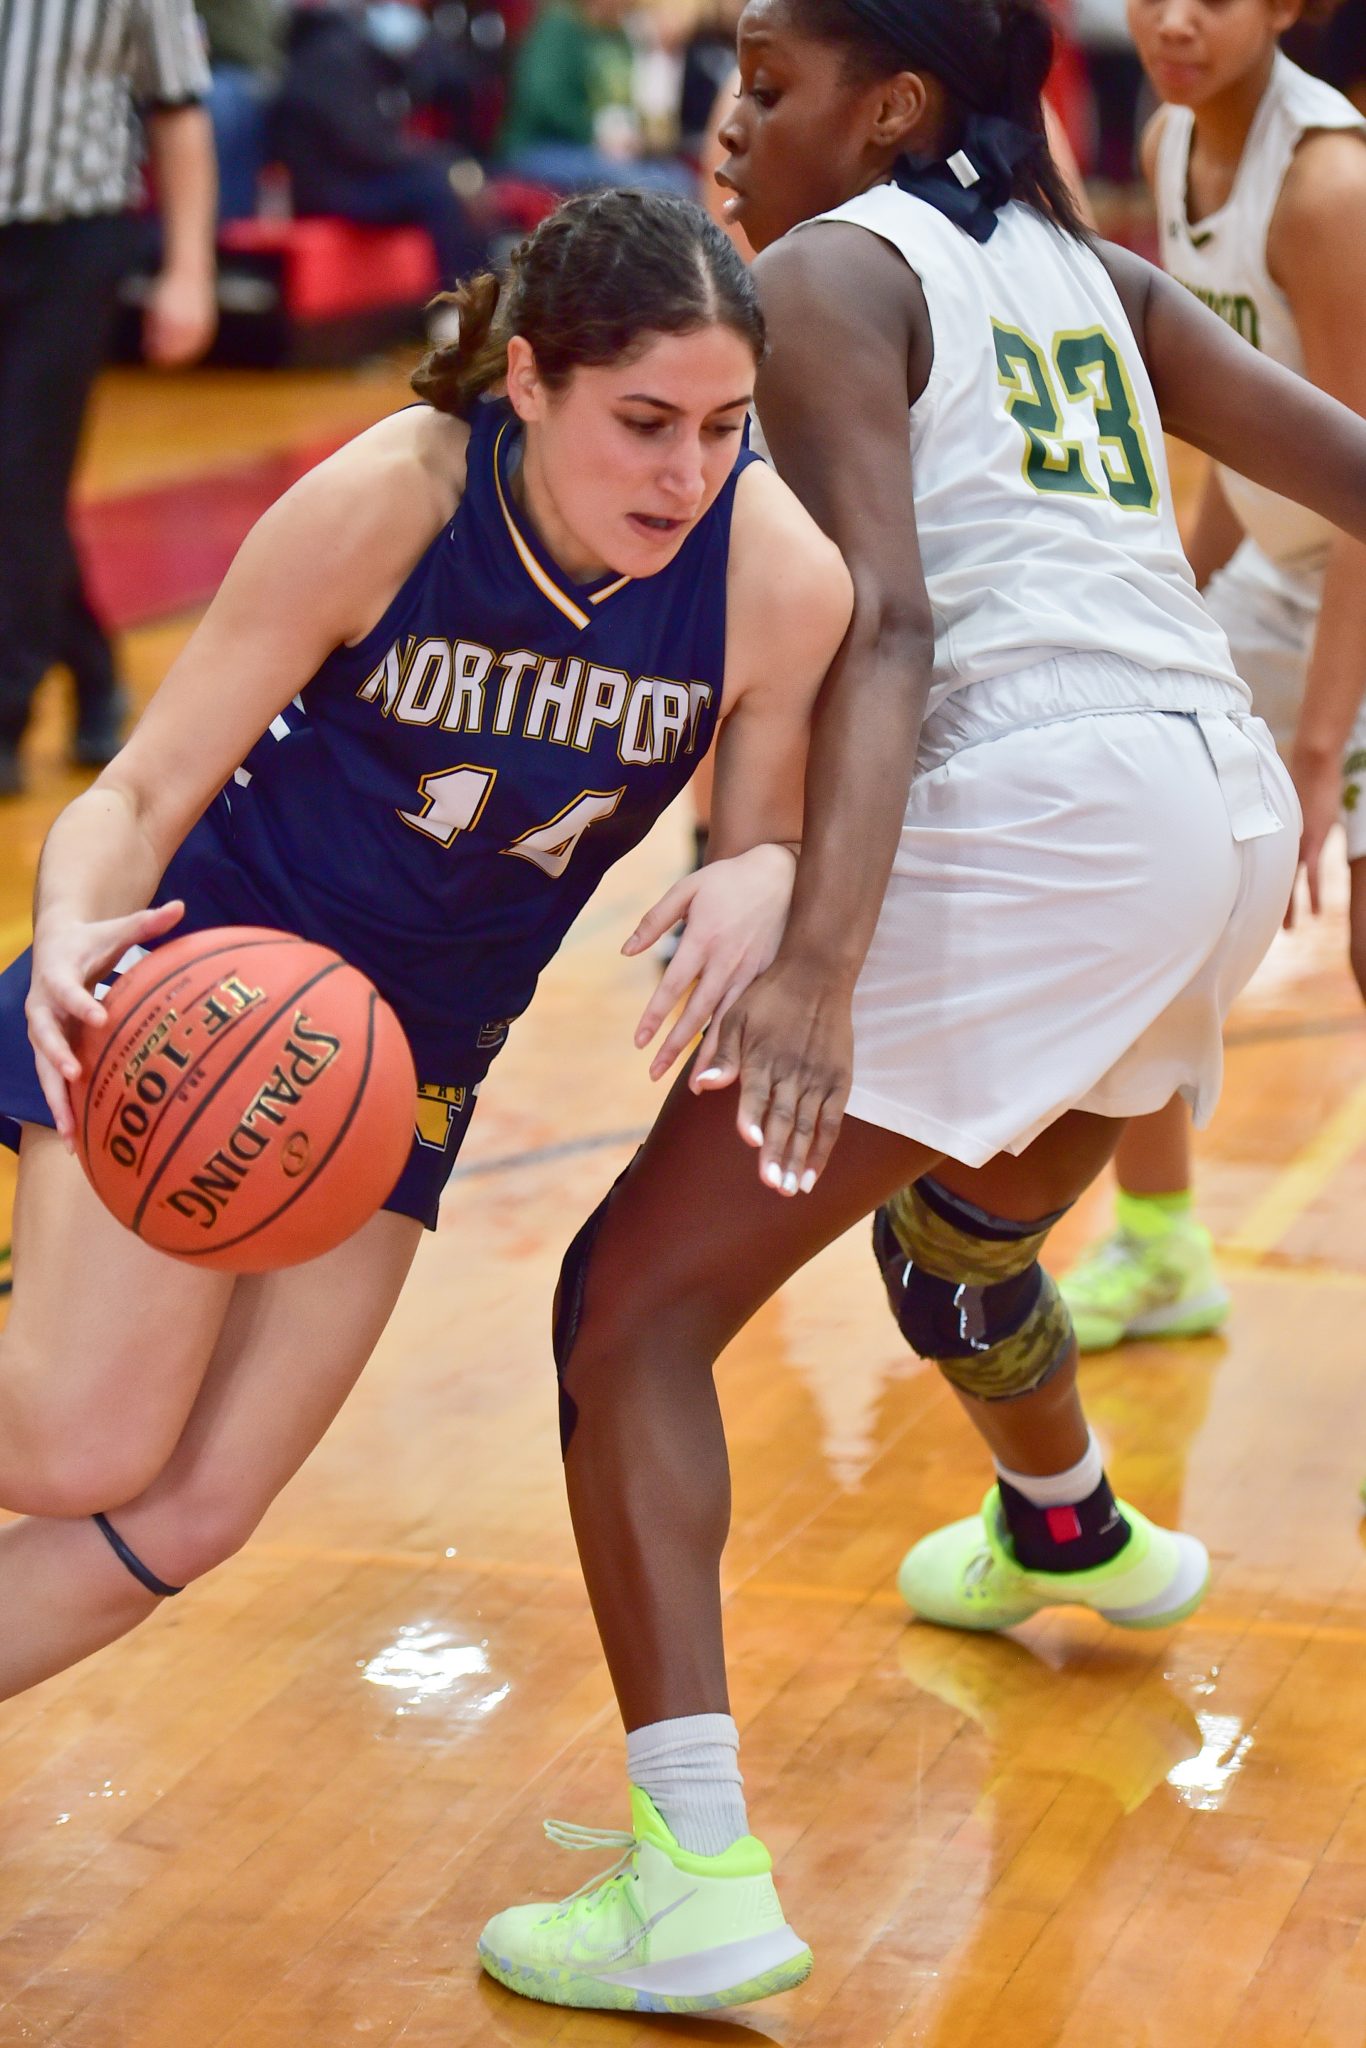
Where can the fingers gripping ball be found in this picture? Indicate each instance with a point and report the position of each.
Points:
(249, 1103)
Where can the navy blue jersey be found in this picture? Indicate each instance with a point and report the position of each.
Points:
(442, 799)
(451, 790)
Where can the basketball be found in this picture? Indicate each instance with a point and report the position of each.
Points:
(249, 1103)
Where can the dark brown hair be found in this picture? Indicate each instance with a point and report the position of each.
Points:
(600, 275)
(1006, 48)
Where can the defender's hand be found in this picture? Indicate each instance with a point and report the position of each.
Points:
(790, 1040)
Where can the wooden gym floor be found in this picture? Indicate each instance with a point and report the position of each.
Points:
(279, 1814)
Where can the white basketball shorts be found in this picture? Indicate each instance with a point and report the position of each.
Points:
(1080, 891)
(1270, 619)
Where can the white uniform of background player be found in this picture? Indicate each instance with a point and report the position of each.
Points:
(1036, 953)
(1267, 597)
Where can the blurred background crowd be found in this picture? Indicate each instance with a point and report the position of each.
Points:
(465, 118)
(367, 153)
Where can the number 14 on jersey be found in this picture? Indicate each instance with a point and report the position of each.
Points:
(453, 800)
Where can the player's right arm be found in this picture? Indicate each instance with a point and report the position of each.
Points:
(1216, 391)
(316, 571)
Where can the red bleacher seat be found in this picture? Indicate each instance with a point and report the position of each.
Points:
(332, 268)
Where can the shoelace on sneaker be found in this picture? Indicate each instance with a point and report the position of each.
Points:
(1108, 1251)
(567, 1834)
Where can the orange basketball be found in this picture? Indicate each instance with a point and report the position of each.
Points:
(249, 1103)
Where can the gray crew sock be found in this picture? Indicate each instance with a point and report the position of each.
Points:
(690, 1768)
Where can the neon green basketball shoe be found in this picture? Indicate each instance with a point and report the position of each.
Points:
(965, 1576)
(1159, 1284)
(661, 1931)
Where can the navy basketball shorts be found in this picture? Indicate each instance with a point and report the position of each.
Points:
(451, 1058)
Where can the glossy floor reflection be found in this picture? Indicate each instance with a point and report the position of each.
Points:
(278, 1816)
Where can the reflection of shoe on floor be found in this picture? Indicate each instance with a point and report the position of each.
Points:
(11, 774)
(1049, 1716)
(662, 1931)
(99, 734)
(1152, 1277)
(965, 1576)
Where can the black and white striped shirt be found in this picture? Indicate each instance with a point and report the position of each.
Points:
(72, 75)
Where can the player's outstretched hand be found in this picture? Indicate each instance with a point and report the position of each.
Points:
(69, 956)
(790, 1039)
(733, 913)
(1318, 784)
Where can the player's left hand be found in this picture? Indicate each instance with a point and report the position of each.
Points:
(179, 319)
(733, 913)
(1317, 777)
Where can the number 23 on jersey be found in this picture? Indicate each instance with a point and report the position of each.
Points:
(1087, 371)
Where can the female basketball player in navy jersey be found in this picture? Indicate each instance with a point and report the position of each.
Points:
(1097, 847)
(511, 629)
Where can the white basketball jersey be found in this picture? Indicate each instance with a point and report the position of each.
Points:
(1041, 493)
(1222, 259)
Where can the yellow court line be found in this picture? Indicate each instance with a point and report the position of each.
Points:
(1309, 1172)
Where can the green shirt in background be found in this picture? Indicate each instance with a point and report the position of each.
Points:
(566, 72)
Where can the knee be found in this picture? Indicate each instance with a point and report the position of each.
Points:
(191, 1530)
(61, 1454)
(625, 1316)
(59, 1461)
(967, 1290)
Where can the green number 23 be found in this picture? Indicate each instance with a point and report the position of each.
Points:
(1090, 372)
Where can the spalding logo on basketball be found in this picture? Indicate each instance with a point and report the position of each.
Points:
(249, 1103)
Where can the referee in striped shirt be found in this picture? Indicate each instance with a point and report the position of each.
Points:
(83, 83)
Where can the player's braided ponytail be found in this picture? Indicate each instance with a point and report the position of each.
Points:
(599, 275)
(456, 373)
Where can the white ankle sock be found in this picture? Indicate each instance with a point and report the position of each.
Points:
(690, 1767)
(1059, 1489)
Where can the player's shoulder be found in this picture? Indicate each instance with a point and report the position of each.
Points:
(371, 507)
(1320, 214)
(347, 533)
(787, 581)
(775, 543)
(414, 453)
(1327, 170)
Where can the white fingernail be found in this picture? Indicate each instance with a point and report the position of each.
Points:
(710, 1074)
(756, 1135)
(789, 1183)
(808, 1180)
(773, 1174)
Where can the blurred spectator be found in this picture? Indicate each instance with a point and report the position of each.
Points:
(1331, 42)
(572, 119)
(1101, 29)
(708, 65)
(72, 79)
(246, 53)
(339, 127)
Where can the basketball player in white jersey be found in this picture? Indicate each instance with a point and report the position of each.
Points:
(1097, 846)
(1259, 175)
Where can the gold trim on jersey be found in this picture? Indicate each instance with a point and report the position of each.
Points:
(545, 583)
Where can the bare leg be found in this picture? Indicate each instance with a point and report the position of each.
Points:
(1154, 1154)
(105, 1348)
(690, 1246)
(289, 1350)
(1046, 1431)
